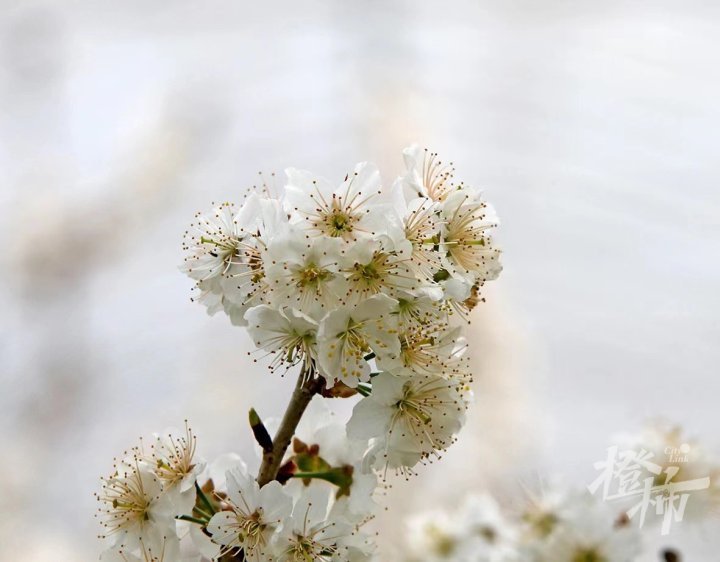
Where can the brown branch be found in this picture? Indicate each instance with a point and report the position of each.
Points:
(307, 386)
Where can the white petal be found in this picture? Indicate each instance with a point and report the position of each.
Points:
(369, 419)
(221, 528)
(275, 502)
(387, 389)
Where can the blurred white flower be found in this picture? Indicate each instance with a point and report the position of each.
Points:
(680, 459)
(543, 513)
(589, 531)
(476, 532)
(564, 527)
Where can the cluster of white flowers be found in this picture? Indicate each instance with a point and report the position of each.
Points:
(679, 458)
(290, 523)
(319, 248)
(564, 525)
(360, 285)
(153, 508)
(364, 290)
(143, 497)
(559, 527)
(476, 532)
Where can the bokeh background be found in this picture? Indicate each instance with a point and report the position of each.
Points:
(592, 126)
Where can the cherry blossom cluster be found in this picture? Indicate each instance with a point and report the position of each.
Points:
(363, 290)
(677, 458)
(560, 526)
(141, 501)
(362, 285)
(318, 248)
(167, 505)
(569, 525)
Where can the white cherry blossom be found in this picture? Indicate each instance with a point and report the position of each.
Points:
(590, 531)
(426, 175)
(286, 333)
(476, 532)
(134, 510)
(304, 273)
(348, 334)
(253, 517)
(423, 224)
(355, 287)
(467, 222)
(378, 266)
(421, 307)
(353, 210)
(175, 464)
(409, 417)
(312, 533)
(435, 349)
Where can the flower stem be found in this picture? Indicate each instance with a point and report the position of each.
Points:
(204, 500)
(364, 389)
(192, 519)
(307, 386)
(202, 512)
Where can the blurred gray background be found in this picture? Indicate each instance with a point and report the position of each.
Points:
(592, 126)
